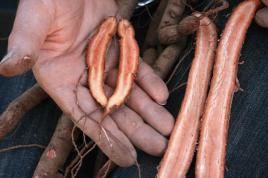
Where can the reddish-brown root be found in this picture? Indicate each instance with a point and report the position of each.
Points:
(77, 159)
(224, 5)
(173, 13)
(173, 33)
(126, 8)
(11, 148)
(18, 107)
(77, 166)
(179, 63)
(57, 151)
(149, 56)
(166, 60)
(151, 39)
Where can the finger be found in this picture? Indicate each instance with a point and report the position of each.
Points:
(91, 128)
(261, 17)
(153, 113)
(85, 100)
(140, 134)
(15, 63)
(152, 83)
(29, 31)
(116, 138)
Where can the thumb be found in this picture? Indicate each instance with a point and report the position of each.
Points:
(29, 31)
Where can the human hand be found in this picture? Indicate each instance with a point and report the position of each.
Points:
(262, 15)
(50, 37)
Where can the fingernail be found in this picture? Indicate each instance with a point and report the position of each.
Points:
(164, 103)
(27, 59)
(7, 56)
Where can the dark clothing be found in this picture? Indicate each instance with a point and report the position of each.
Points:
(247, 149)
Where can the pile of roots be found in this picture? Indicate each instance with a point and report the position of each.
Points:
(163, 49)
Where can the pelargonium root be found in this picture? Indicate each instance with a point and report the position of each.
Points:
(173, 33)
(166, 60)
(57, 151)
(18, 107)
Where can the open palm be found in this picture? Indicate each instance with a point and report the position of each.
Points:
(50, 37)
